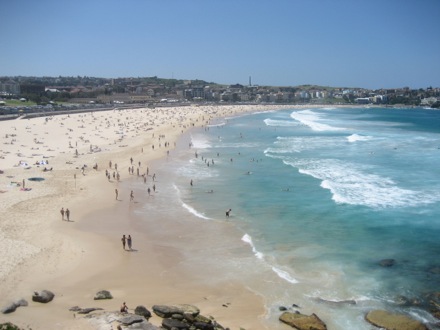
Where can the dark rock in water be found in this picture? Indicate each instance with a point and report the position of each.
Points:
(295, 306)
(142, 311)
(390, 321)
(174, 324)
(303, 322)
(282, 308)
(434, 270)
(103, 294)
(131, 319)
(75, 309)
(44, 296)
(387, 262)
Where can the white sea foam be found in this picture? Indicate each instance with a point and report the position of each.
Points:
(200, 141)
(216, 125)
(248, 239)
(311, 119)
(193, 211)
(357, 137)
(284, 275)
(280, 123)
(353, 184)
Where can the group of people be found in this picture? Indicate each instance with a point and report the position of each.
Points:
(66, 213)
(126, 240)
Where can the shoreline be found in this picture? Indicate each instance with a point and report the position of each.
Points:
(44, 252)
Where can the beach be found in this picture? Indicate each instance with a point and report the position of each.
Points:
(71, 161)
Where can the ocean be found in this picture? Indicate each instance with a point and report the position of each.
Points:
(319, 198)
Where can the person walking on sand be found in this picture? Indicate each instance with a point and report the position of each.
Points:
(116, 193)
(62, 213)
(129, 242)
(131, 196)
(123, 239)
(68, 214)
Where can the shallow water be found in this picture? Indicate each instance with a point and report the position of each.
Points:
(318, 198)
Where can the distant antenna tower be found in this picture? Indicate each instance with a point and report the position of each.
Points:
(250, 81)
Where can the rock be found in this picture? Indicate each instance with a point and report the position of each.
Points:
(21, 302)
(103, 294)
(303, 322)
(179, 317)
(203, 319)
(88, 310)
(390, 321)
(188, 309)
(44, 296)
(166, 311)
(203, 326)
(142, 311)
(174, 324)
(140, 326)
(9, 308)
(130, 319)
(387, 262)
(75, 309)
(282, 309)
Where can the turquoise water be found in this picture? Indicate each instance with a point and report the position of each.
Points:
(320, 197)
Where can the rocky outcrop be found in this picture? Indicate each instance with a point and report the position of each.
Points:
(166, 311)
(390, 321)
(43, 296)
(103, 294)
(120, 321)
(303, 322)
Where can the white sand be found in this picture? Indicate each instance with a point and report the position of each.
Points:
(40, 251)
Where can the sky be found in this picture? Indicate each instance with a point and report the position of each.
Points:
(340, 43)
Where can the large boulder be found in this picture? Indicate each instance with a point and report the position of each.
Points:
(13, 306)
(44, 296)
(9, 308)
(103, 294)
(165, 311)
(142, 311)
(188, 309)
(390, 321)
(174, 324)
(303, 322)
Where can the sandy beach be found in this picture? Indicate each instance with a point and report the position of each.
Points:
(67, 158)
